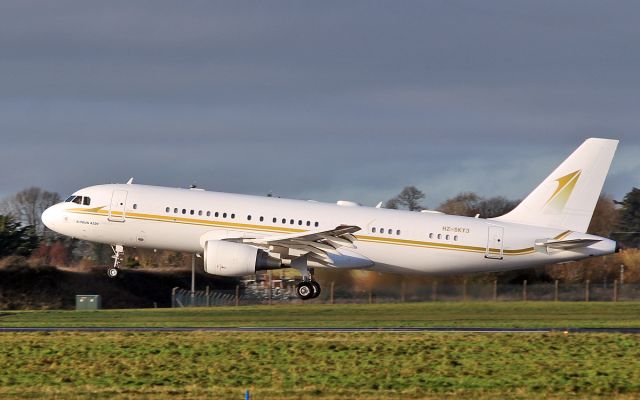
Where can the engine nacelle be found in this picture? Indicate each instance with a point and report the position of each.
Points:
(236, 259)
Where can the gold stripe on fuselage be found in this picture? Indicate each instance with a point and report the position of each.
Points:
(99, 211)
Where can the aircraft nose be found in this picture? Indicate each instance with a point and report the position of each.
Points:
(48, 217)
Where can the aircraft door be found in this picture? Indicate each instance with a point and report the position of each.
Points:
(118, 204)
(495, 242)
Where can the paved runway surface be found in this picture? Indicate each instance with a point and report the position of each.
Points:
(320, 330)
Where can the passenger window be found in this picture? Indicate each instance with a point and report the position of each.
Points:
(261, 219)
(77, 200)
(224, 215)
(249, 217)
(455, 238)
(274, 220)
(217, 214)
(200, 213)
(175, 210)
(390, 231)
(292, 222)
(398, 232)
(184, 210)
(192, 212)
(167, 209)
(439, 236)
(308, 223)
(373, 230)
(316, 224)
(135, 206)
(431, 236)
(86, 201)
(299, 222)
(284, 220)
(447, 237)
(233, 216)
(208, 213)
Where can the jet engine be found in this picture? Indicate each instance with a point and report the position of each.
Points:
(236, 259)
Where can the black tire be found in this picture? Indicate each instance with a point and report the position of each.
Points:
(304, 290)
(316, 289)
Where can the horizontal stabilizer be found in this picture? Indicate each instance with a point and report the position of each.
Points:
(544, 245)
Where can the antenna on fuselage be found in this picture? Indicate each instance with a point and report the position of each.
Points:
(130, 181)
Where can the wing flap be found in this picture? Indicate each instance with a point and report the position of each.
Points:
(320, 245)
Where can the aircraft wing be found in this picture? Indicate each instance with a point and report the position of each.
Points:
(317, 244)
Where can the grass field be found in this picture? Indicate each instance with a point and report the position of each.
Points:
(326, 365)
(329, 366)
(473, 314)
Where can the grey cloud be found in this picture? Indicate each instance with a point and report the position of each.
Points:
(321, 100)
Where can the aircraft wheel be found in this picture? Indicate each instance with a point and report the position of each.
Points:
(112, 272)
(316, 289)
(304, 290)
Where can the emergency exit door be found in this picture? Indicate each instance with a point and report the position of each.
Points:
(495, 242)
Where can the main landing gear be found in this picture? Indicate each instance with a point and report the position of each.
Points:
(118, 255)
(308, 290)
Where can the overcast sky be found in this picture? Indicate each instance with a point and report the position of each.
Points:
(316, 100)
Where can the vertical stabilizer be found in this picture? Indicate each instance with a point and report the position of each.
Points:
(567, 198)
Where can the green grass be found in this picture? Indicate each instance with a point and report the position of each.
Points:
(470, 314)
(327, 366)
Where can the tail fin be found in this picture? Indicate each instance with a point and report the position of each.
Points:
(567, 198)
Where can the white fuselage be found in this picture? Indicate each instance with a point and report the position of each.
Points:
(134, 215)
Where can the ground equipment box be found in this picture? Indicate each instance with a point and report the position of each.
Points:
(88, 302)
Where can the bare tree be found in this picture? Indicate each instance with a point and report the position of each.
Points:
(409, 198)
(28, 204)
(605, 217)
(464, 203)
(391, 204)
(495, 206)
(470, 204)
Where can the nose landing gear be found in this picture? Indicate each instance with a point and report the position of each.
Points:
(118, 255)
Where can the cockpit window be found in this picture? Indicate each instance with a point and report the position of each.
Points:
(82, 200)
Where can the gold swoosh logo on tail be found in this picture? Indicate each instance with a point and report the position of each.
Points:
(560, 197)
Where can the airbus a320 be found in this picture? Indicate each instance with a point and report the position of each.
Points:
(239, 234)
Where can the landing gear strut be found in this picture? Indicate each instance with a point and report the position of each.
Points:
(118, 255)
(308, 288)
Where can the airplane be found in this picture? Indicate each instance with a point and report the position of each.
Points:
(240, 235)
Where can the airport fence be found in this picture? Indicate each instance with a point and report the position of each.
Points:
(261, 293)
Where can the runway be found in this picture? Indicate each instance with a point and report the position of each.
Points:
(321, 330)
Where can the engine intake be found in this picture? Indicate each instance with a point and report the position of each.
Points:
(236, 259)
